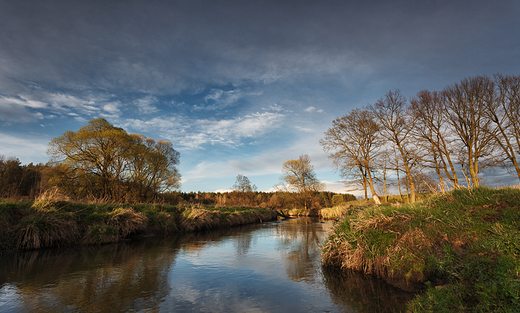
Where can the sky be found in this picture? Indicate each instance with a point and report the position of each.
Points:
(238, 87)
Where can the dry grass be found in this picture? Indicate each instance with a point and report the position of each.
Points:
(197, 218)
(376, 244)
(335, 212)
(52, 221)
(49, 200)
(45, 230)
(466, 241)
(127, 221)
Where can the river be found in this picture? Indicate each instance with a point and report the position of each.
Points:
(268, 267)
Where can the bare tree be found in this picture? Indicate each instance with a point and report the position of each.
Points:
(504, 112)
(243, 184)
(391, 112)
(432, 132)
(355, 141)
(243, 191)
(466, 104)
(299, 175)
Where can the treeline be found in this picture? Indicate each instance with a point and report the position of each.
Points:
(20, 181)
(274, 200)
(27, 182)
(454, 134)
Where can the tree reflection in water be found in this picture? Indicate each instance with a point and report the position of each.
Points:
(96, 279)
(270, 267)
(364, 293)
(300, 245)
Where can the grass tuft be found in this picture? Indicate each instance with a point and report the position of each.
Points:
(127, 221)
(40, 230)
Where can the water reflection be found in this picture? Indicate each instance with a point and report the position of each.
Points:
(364, 293)
(270, 267)
(108, 278)
(300, 243)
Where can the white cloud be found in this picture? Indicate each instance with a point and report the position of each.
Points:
(25, 101)
(312, 109)
(218, 99)
(15, 110)
(145, 105)
(304, 129)
(67, 102)
(112, 109)
(194, 133)
(276, 108)
(26, 149)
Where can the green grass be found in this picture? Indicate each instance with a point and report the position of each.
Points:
(464, 246)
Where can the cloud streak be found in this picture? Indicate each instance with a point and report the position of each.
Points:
(236, 85)
(197, 133)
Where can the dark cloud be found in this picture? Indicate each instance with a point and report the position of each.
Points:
(259, 78)
(166, 46)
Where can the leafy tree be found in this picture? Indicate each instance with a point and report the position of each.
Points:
(151, 166)
(107, 162)
(299, 175)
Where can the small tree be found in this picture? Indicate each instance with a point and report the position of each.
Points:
(243, 184)
(299, 175)
(243, 191)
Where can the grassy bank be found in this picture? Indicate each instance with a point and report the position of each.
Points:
(51, 223)
(462, 247)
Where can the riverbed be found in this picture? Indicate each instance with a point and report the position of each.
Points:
(267, 267)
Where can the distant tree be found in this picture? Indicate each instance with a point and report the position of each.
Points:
(243, 192)
(109, 163)
(299, 175)
(243, 184)
(355, 141)
(17, 180)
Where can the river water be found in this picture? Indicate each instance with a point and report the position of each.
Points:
(269, 267)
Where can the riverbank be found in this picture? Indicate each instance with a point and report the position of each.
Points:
(462, 248)
(50, 223)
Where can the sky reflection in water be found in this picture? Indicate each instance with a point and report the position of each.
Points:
(270, 267)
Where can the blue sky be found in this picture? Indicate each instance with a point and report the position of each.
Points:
(238, 87)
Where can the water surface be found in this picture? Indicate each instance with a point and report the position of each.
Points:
(269, 267)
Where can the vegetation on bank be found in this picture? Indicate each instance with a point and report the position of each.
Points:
(462, 246)
(47, 222)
